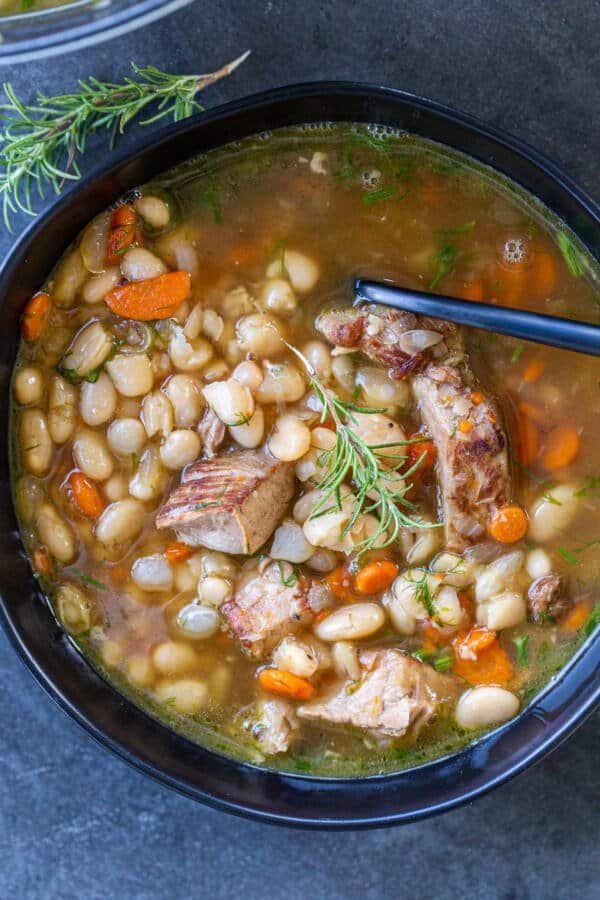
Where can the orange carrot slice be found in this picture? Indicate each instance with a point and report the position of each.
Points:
(423, 448)
(508, 524)
(375, 576)
(86, 495)
(561, 448)
(177, 552)
(490, 666)
(543, 273)
(35, 317)
(341, 584)
(533, 371)
(123, 234)
(277, 681)
(577, 617)
(472, 290)
(41, 561)
(155, 298)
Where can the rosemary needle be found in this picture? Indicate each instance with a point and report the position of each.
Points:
(378, 488)
(39, 143)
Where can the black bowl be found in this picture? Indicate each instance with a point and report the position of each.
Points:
(72, 682)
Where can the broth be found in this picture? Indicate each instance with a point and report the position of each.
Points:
(278, 226)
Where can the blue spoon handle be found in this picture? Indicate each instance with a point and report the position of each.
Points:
(582, 337)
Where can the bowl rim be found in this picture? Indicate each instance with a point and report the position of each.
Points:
(242, 788)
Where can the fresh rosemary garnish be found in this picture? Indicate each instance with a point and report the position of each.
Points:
(378, 488)
(40, 142)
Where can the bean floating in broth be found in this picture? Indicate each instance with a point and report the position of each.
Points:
(330, 540)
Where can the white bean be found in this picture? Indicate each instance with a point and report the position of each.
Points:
(231, 401)
(213, 563)
(150, 476)
(351, 623)
(35, 442)
(126, 436)
(457, 571)
(550, 517)
(378, 429)
(55, 533)
(302, 658)
(236, 303)
(131, 373)
(425, 544)
(187, 695)
(342, 368)
(97, 287)
(277, 295)
(140, 671)
(62, 409)
(116, 487)
(68, 278)
(188, 356)
(486, 705)
(213, 590)
(538, 563)
(498, 575)
(94, 243)
(249, 374)
(180, 448)
(503, 611)
(282, 383)
(322, 561)
(152, 573)
(290, 438)
(157, 414)
(97, 400)
(379, 389)
(448, 610)
(28, 385)
(400, 612)
(174, 658)
(345, 660)
(251, 433)
(154, 210)
(303, 271)
(92, 455)
(319, 356)
(139, 264)
(120, 523)
(305, 505)
(73, 608)
(197, 622)
(186, 399)
(290, 544)
(259, 334)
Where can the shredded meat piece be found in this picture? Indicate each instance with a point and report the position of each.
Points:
(263, 610)
(546, 596)
(231, 502)
(472, 451)
(394, 694)
(212, 432)
(276, 727)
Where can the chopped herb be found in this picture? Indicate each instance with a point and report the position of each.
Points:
(422, 593)
(516, 354)
(443, 168)
(89, 579)
(543, 650)
(550, 499)
(446, 259)
(384, 193)
(462, 229)
(381, 145)
(573, 257)
(421, 655)
(303, 765)
(572, 555)
(590, 486)
(442, 663)
(571, 558)
(521, 645)
(288, 580)
(593, 621)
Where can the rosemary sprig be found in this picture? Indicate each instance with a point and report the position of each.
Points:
(39, 143)
(377, 488)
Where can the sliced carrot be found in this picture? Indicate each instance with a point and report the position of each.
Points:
(155, 298)
(286, 684)
(464, 426)
(560, 449)
(490, 666)
(35, 316)
(512, 284)
(433, 637)
(474, 642)
(533, 371)
(177, 552)
(466, 603)
(577, 617)
(508, 524)
(122, 235)
(533, 412)
(41, 561)
(119, 574)
(543, 273)
(527, 441)
(246, 254)
(86, 495)
(477, 397)
(341, 584)
(423, 450)
(375, 576)
(471, 290)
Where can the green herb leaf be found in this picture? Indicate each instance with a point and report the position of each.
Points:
(446, 259)
(89, 579)
(442, 663)
(462, 229)
(383, 193)
(593, 621)
(572, 255)
(516, 354)
(521, 645)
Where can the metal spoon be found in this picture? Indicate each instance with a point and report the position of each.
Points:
(582, 337)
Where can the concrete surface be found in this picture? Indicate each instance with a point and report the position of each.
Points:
(77, 823)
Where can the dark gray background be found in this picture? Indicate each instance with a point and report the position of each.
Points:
(76, 823)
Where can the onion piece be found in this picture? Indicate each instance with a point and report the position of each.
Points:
(417, 340)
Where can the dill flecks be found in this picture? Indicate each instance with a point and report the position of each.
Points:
(378, 488)
(39, 142)
(573, 257)
(446, 259)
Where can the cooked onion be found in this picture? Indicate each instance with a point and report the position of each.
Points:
(412, 342)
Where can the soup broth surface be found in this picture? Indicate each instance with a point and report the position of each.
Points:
(112, 404)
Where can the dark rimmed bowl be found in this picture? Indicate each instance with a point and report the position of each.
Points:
(72, 682)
